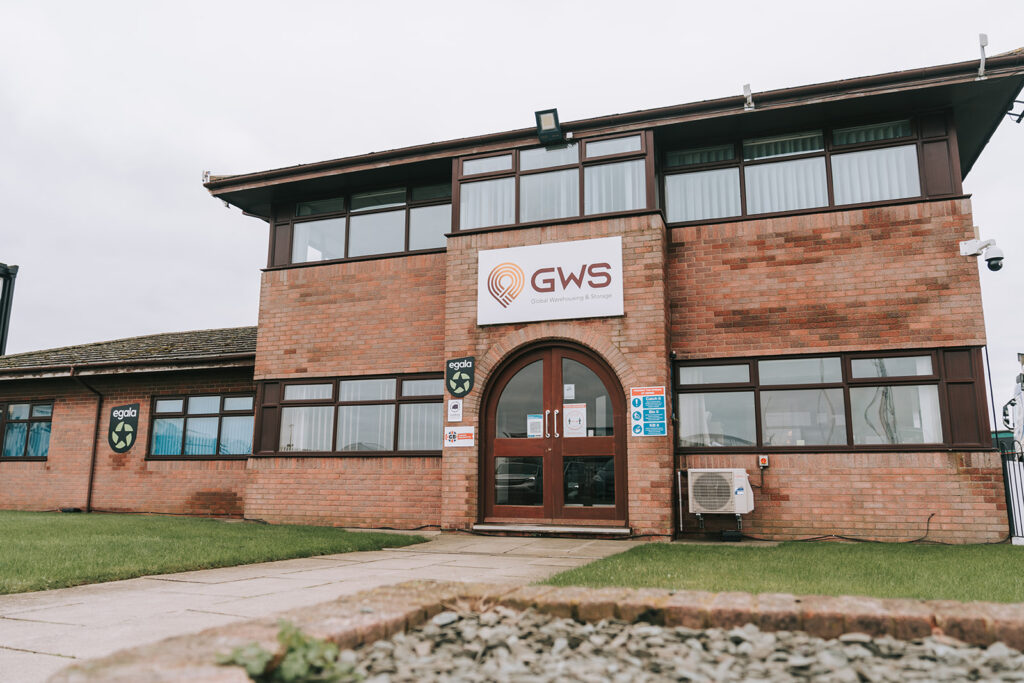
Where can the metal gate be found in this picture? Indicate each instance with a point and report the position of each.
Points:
(1013, 476)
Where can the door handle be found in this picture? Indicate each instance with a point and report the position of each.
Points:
(547, 431)
(556, 423)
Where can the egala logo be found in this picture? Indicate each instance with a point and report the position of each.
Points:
(505, 283)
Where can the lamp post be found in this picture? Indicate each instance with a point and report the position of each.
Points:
(7, 275)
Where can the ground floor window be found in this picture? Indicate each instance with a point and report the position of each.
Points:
(25, 430)
(395, 414)
(202, 425)
(873, 400)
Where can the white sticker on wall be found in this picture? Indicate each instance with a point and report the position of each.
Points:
(459, 437)
(455, 410)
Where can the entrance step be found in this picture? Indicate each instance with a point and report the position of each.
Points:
(551, 530)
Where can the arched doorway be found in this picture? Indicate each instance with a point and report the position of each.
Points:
(554, 446)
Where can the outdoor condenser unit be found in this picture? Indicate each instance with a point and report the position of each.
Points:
(719, 492)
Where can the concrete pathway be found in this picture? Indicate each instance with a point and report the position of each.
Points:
(41, 633)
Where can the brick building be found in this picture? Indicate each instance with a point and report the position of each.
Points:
(615, 302)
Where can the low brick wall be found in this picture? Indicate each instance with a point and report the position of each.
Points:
(380, 613)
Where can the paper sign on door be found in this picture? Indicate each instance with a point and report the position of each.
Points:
(534, 426)
(574, 420)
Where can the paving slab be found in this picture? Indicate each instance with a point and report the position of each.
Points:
(42, 632)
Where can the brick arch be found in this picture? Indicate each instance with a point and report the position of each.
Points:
(516, 340)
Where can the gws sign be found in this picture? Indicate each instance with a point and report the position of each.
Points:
(581, 279)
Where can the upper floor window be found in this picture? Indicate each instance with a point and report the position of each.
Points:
(383, 221)
(591, 177)
(793, 172)
(25, 429)
(202, 425)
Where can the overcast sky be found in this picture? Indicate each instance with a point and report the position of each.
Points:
(111, 111)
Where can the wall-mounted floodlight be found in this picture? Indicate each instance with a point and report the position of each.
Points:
(993, 254)
(982, 43)
(548, 129)
(748, 98)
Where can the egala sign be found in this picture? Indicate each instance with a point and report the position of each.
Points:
(581, 279)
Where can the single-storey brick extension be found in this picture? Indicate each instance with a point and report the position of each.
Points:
(550, 329)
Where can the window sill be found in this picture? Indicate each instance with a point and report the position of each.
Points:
(191, 458)
(357, 259)
(906, 448)
(24, 459)
(555, 221)
(349, 454)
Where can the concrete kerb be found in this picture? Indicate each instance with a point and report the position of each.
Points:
(365, 617)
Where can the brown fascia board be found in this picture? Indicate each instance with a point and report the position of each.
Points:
(227, 360)
(946, 74)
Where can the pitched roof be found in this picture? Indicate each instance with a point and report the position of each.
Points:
(170, 347)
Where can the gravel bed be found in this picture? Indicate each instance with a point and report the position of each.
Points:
(505, 645)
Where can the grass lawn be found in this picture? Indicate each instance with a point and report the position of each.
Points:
(41, 550)
(993, 573)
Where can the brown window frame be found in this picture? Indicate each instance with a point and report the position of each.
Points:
(286, 219)
(221, 413)
(918, 137)
(334, 403)
(4, 421)
(940, 378)
(646, 152)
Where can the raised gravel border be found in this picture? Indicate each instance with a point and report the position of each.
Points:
(367, 617)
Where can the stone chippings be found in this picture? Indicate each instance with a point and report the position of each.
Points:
(502, 644)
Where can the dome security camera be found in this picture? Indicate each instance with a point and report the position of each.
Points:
(994, 258)
(993, 254)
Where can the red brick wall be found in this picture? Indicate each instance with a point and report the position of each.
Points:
(880, 278)
(634, 345)
(124, 482)
(401, 492)
(377, 316)
(877, 496)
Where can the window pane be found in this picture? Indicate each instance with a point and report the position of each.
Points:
(717, 419)
(800, 371)
(236, 435)
(42, 410)
(876, 175)
(908, 366)
(377, 233)
(602, 148)
(175, 405)
(786, 186)
(803, 417)
(366, 389)
(615, 187)
(519, 481)
(320, 206)
(587, 388)
(238, 403)
(200, 405)
(17, 411)
(521, 397)
(589, 481)
(39, 440)
(419, 427)
(167, 436)
(425, 193)
(701, 155)
(428, 226)
(702, 195)
(487, 165)
(201, 436)
(14, 439)
(486, 203)
(318, 240)
(872, 133)
(422, 387)
(544, 196)
(783, 145)
(378, 199)
(893, 415)
(714, 374)
(306, 429)
(366, 428)
(307, 392)
(546, 157)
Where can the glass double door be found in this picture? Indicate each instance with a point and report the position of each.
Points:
(554, 440)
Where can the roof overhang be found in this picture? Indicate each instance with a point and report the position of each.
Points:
(112, 368)
(978, 107)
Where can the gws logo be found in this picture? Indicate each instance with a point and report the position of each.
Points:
(594, 275)
(505, 283)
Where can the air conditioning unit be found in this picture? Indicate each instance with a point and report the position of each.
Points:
(719, 492)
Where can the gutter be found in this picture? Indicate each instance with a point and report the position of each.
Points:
(95, 436)
(141, 365)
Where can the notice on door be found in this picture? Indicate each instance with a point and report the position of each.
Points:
(574, 420)
(534, 426)
(648, 415)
